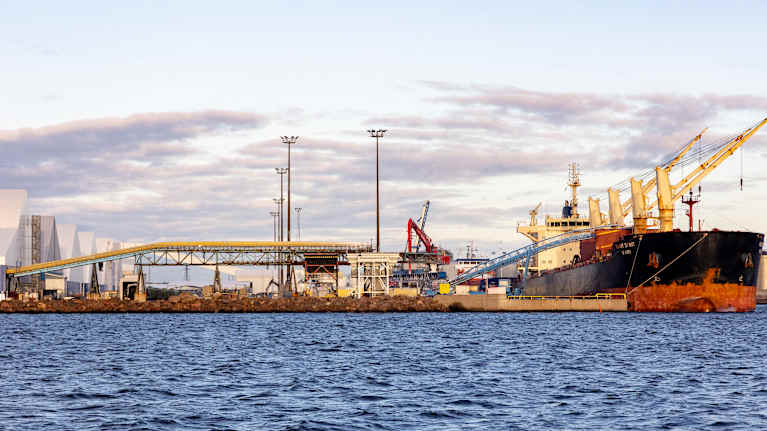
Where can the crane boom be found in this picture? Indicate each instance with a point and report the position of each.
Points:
(686, 148)
(646, 187)
(717, 159)
(422, 220)
(534, 213)
(668, 193)
(422, 237)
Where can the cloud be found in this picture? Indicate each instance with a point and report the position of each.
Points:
(155, 134)
(484, 156)
(100, 154)
(621, 130)
(551, 107)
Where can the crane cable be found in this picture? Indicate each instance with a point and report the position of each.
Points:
(692, 157)
(741, 168)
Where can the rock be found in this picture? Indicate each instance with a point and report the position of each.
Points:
(187, 303)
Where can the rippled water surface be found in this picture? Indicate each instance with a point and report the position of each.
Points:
(384, 371)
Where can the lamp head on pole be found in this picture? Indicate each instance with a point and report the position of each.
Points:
(281, 171)
(377, 133)
(289, 139)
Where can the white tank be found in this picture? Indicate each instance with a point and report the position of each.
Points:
(761, 279)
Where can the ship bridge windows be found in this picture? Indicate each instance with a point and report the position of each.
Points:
(570, 223)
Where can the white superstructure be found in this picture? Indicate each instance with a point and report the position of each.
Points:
(569, 220)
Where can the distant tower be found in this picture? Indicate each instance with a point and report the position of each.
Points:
(574, 183)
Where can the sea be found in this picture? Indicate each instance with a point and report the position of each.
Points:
(391, 371)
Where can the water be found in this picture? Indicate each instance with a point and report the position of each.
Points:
(383, 371)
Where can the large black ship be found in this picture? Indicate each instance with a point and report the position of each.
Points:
(659, 268)
(662, 271)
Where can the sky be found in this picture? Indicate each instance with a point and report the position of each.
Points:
(148, 122)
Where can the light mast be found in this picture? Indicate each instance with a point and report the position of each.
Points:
(574, 183)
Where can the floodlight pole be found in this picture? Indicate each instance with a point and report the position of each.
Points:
(377, 134)
(281, 172)
(274, 215)
(279, 212)
(298, 219)
(290, 140)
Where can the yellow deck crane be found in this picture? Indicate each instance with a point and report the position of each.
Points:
(618, 211)
(668, 193)
(534, 214)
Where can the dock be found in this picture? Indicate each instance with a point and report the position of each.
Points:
(501, 302)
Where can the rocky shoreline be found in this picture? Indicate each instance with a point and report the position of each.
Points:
(227, 304)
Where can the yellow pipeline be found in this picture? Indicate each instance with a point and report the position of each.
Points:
(164, 246)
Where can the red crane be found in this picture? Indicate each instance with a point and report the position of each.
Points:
(430, 247)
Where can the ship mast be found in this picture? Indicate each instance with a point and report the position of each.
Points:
(692, 200)
(574, 183)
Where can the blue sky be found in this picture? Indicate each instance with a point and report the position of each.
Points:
(486, 102)
(78, 60)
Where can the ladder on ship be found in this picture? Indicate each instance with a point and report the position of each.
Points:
(525, 253)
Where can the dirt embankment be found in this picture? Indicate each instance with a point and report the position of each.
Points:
(223, 304)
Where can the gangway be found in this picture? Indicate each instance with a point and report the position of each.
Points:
(526, 252)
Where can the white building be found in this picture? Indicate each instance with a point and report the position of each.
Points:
(128, 264)
(13, 203)
(69, 244)
(262, 282)
(35, 241)
(87, 244)
(110, 272)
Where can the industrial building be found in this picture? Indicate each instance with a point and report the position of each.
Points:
(27, 239)
(35, 241)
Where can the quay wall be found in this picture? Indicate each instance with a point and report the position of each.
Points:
(234, 304)
(504, 303)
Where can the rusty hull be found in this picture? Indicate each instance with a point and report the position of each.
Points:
(707, 296)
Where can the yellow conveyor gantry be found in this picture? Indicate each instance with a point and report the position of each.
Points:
(201, 253)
